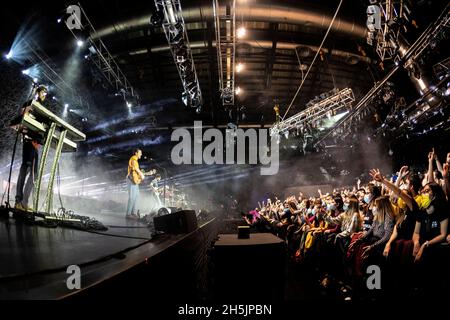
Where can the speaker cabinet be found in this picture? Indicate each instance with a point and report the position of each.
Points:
(183, 221)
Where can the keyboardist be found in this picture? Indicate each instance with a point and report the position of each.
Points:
(30, 151)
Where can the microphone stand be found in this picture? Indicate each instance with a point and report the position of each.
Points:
(165, 179)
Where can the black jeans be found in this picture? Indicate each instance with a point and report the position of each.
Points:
(29, 165)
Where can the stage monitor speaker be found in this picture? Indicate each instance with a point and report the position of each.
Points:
(183, 221)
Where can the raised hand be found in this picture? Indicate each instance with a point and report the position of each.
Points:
(445, 170)
(376, 175)
(431, 155)
(403, 172)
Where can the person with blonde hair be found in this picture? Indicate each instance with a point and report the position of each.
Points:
(371, 244)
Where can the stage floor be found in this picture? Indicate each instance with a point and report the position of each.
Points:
(34, 259)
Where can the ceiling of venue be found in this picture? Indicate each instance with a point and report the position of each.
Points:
(281, 41)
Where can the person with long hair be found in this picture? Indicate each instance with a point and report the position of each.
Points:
(350, 221)
(432, 222)
(371, 244)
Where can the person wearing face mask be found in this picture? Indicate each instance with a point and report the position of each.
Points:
(370, 245)
(369, 203)
(432, 222)
(430, 230)
(398, 250)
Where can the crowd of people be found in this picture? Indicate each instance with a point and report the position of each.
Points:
(399, 224)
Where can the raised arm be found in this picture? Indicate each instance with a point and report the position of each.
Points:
(377, 176)
(401, 174)
(430, 174)
(438, 165)
(446, 175)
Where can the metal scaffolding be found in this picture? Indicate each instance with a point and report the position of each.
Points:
(176, 35)
(333, 102)
(226, 49)
(105, 62)
(405, 59)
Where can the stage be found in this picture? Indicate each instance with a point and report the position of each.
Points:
(34, 259)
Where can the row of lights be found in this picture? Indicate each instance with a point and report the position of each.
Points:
(240, 33)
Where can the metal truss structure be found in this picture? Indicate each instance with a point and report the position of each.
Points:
(49, 71)
(176, 35)
(384, 22)
(392, 17)
(405, 59)
(334, 101)
(105, 62)
(226, 49)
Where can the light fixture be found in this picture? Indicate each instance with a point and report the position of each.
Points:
(9, 55)
(241, 32)
(238, 90)
(239, 67)
(35, 80)
(80, 43)
(129, 105)
(27, 71)
(59, 20)
(66, 105)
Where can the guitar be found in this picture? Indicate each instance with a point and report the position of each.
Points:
(136, 177)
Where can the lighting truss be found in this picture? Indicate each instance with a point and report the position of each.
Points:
(406, 59)
(48, 73)
(393, 15)
(226, 49)
(334, 101)
(176, 35)
(386, 17)
(429, 35)
(105, 62)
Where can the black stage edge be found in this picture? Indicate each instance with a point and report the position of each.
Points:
(124, 262)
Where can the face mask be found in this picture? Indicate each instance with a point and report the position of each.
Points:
(331, 207)
(345, 207)
(313, 211)
(367, 198)
(423, 201)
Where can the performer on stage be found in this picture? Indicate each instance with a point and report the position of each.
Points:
(154, 185)
(30, 150)
(134, 178)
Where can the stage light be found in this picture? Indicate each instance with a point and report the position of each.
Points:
(80, 43)
(241, 32)
(129, 105)
(9, 55)
(27, 71)
(86, 56)
(35, 80)
(239, 67)
(59, 20)
(66, 107)
(238, 90)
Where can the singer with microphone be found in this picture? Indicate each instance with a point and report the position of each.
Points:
(30, 149)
